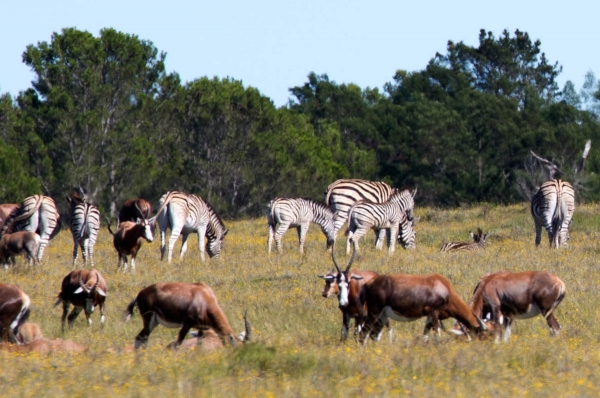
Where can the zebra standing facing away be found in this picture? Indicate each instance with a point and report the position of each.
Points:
(477, 244)
(85, 226)
(381, 216)
(298, 213)
(553, 206)
(37, 214)
(185, 214)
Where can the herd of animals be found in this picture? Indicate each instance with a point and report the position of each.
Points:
(369, 298)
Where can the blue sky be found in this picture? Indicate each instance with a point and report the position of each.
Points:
(273, 45)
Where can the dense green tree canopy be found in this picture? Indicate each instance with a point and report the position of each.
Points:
(103, 113)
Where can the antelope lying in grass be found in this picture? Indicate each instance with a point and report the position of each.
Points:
(505, 296)
(14, 311)
(182, 305)
(477, 244)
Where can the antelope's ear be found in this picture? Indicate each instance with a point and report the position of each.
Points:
(356, 277)
(78, 290)
(326, 277)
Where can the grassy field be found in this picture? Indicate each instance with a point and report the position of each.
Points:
(296, 349)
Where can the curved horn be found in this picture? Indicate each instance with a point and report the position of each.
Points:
(481, 324)
(333, 258)
(135, 203)
(248, 327)
(351, 257)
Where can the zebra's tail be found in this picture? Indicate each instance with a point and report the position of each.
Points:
(557, 218)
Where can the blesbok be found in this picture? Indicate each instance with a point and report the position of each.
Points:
(86, 290)
(134, 209)
(5, 210)
(477, 244)
(22, 242)
(406, 298)
(507, 296)
(128, 239)
(182, 305)
(14, 311)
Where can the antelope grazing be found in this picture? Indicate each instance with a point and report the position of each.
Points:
(134, 209)
(85, 289)
(182, 305)
(128, 239)
(351, 284)
(477, 244)
(14, 311)
(22, 242)
(406, 298)
(507, 296)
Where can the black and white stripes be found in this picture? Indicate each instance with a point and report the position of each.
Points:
(553, 206)
(477, 244)
(298, 213)
(85, 226)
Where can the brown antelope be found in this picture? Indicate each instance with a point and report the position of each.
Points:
(182, 305)
(477, 244)
(406, 298)
(355, 299)
(506, 296)
(134, 209)
(14, 311)
(85, 289)
(128, 239)
(22, 242)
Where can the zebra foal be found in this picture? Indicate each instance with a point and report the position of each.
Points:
(380, 217)
(298, 213)
(477, 244)
(553, 206)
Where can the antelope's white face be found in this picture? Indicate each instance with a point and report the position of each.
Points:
(342, 281)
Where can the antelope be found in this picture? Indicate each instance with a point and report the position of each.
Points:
(477, 244)
(355, 282)
(85, 289)
(14, 311)
(134, 209)
(128, 239)
(506, 296)
(185, 306)
(11, 245)
(406, 298)
(29, 332)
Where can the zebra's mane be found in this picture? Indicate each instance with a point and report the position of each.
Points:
(212, 212)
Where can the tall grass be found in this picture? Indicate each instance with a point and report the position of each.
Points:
(296, 349)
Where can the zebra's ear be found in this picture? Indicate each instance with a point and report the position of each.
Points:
(414, 193)
(226, 232)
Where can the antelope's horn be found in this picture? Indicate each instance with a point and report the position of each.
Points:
(352, 257)
(248, 327)
(333, 258)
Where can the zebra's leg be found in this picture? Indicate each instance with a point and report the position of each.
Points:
(175, 232)
(380, 238)
(201, 236)
(162, 244)
(270, 239)
(84, 250)
(538, 232)
(302, 230)
(75, 252)
(184, 238)
(392, 239)
(43, 243)
(280, 231)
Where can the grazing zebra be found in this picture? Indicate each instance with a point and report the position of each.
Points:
(553, 206)
(477, 244)
(381, 216)
(298, 213)
(185, 214)
(37, 214)
(85, 226)
(341, 195)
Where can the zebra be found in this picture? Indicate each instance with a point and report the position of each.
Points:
(553, 206)
(477, 244)
(381, 216)
(187, 213)
(85, 226)
(341, 195)
(298, 213)
(37, 213)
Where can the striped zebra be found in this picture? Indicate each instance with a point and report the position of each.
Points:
(185, 214)
(380, 217)
(298, 213)
(477, 244)
(85, 226)
(37, 214)
(341, 195)
(553, 206)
